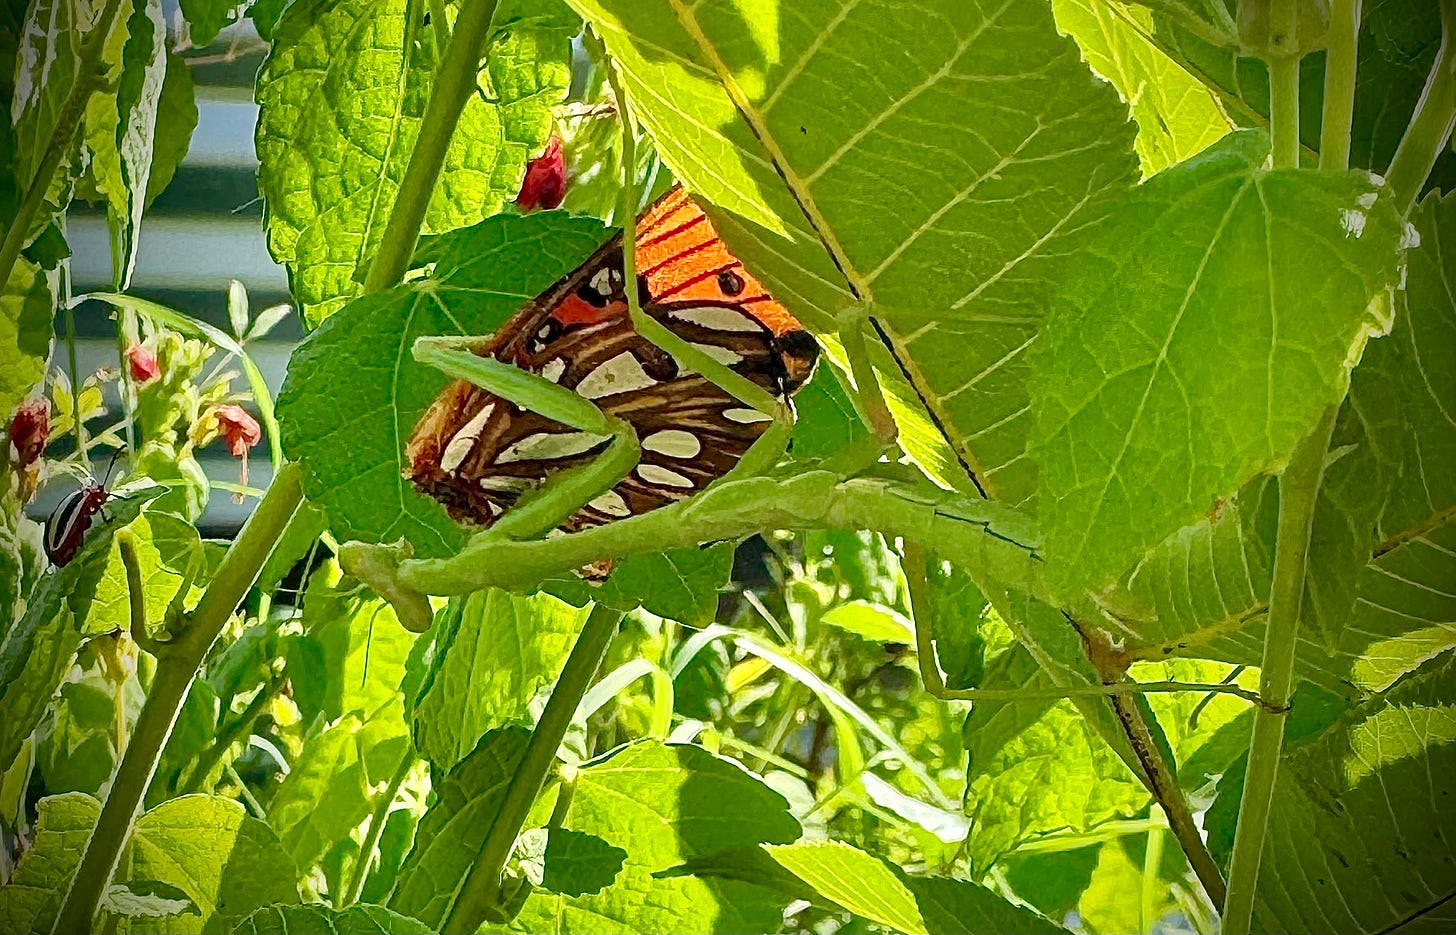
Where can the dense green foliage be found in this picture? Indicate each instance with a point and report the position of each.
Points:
(1108, 582)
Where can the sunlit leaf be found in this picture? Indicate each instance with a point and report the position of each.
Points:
(1198, 345)
(857, 881)
(316, 917)
(335, 134)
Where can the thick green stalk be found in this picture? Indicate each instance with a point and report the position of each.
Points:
(480, 895)
(1298, 491)
(89, 75)
(1284, 110)
(1431, 124)
(179, 661)
(1339, 94)
(455, 81)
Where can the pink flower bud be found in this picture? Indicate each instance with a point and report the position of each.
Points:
(142, 363)
(30, 429)
(545, 182)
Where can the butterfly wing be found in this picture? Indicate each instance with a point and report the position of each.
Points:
(478, 454)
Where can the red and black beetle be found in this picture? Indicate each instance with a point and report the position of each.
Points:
(66, 528)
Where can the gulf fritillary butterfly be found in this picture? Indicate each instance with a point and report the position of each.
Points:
(477, 454)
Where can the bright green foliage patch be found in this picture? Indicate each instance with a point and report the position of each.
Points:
(491, 657)
(855, 880)
(1194, 348)
(340, 104)
(306, 919)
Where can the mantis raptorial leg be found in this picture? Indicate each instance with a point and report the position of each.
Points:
(568, 491)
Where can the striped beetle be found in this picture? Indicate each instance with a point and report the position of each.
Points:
(66, 528)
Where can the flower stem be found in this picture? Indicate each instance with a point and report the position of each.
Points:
(1284, 110)
(480, 895)
(455, 81)
(1298, 491)
(176, 667)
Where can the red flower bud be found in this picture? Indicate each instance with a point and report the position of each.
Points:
(142, 363)
(545, 182)
(30, 428)
(240, 429)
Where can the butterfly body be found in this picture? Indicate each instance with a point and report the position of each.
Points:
(478, 453)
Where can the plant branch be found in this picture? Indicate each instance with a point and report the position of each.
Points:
(1284, 110)
(455, 81)
(1162, 779)
(176, 667)
(1431, 124)
(136, 593)
(230, 735)
(89, 77)
(481, 894)
(869, 399)
(377, 818)
(1342, 43)
(1298, 491)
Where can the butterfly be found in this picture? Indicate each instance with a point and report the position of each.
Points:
(478, 454)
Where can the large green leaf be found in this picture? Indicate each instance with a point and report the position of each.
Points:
(354, 392)
(167, 547)
(358, 919)
(1197, 345)
(451, 832)
(325, 794)
(666, 805)
(31, 897)
(857, 881)
(228, 863)
(1379, 602)
(490, 661)
(26, 309)
(340, 100)
(121, 129)
(950, 906)
(48, 64)
(1177, 116)
(1361, 827)
(933, 190)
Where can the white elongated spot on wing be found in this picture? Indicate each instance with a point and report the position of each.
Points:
(656, 474)
(746, 416)
(464, 440)
(61, 523)
(610, 503)
(716, 317)
(550, 446)
(721, 354)
(618, 375)
(675, 443)
(553, 370)
(504, 483)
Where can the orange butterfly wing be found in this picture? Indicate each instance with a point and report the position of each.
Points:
(478, 454)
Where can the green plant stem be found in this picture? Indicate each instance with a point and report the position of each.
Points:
(455, 81)
(74, 372)
(175, 668)
(89, 76)
(1152, 862)
(1162, 782)
(1298, 491)
(234, 732)
(1431, 124)
(1339, 92)
(480, 895)
(136, 593)
(1284, 109)
(377, 818)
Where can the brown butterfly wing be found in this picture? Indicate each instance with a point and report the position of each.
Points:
(477, 453)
